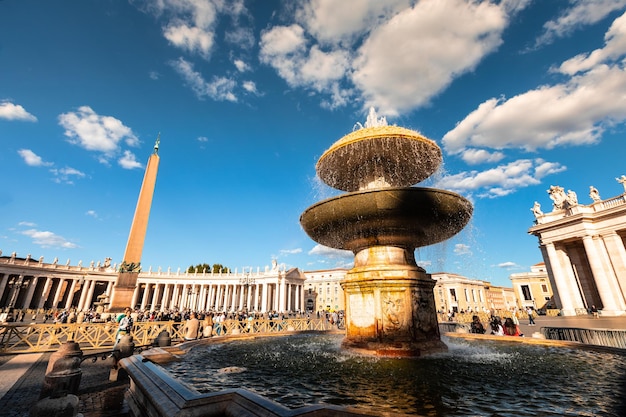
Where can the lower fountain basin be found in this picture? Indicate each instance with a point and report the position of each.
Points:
(408, 217)
(472, 378)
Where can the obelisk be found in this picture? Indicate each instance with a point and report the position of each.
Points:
(131, 265)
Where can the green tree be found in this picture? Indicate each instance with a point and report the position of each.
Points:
(200, 268)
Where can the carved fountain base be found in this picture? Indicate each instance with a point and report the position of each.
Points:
(390, 305)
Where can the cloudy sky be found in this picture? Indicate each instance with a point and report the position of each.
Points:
(247, 95)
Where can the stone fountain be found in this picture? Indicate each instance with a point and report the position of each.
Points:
(382, 219)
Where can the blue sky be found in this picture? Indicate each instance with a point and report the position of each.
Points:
(247, 95)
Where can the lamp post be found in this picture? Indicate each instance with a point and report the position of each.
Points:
(246, 281)
(190, 292)
(16, 284)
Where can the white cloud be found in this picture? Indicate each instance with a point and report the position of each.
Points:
(129, 161)
(32, 159)
(203, 139)
(66, 175)
(241, 65)
(501, 180)
(47, 239)
(384, 54)
(574, 112)
(462, 249)
(250, 87)
(10, 111)
(190, 39)
(508, 265)
(478, 156)
(92, 213)
(190, 24)
(287, 252)
(403, 64)
(614, 48)
(94, 132)
(321, 250)
(579, 14)
(333, 22)
(219, 88)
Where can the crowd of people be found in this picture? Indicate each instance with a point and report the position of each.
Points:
(510, 326)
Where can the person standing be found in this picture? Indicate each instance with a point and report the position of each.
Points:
(191, 327)
(531, 316)
(125, 324)
(207, 325)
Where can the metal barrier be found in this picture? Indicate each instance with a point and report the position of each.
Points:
(30, 338)
(599, 337)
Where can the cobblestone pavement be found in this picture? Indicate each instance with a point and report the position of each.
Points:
(98, 397)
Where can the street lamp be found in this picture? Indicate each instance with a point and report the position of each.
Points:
(246, 281)
(190, 292)
(16, 284)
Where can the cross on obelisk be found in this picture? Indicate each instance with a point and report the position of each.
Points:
(131, 264)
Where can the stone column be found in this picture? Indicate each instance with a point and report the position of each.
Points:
(175, 295)
(3, 284)
(144, 297)
(31, 291)
(89, 298)
(264, 298)
(220, 302)
(57, 294)
(617, 256)
(155, 297)
(70, 295)
(83, 294)
(289, 301)
(564, 286)
(241, 290)
(605, 280)
(249, 297)
(165, 303)
(45, 291)
(135, 297)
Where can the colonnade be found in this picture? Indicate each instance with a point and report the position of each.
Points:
(26, 284)
(228, 294)
(584, 250)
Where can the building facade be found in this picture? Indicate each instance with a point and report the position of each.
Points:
(323, 291)
(583, 247)
(533, 289)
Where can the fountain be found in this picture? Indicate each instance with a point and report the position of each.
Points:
(390, 306)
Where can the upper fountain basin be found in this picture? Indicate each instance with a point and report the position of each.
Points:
(407, 217)
(376, 157)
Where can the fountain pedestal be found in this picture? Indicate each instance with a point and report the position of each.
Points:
(390, 305)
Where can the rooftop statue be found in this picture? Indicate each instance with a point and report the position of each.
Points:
(557, 195)
(594, 194)
(622, 180)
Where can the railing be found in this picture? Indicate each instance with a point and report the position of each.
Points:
(30, 338)
(599, 337)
